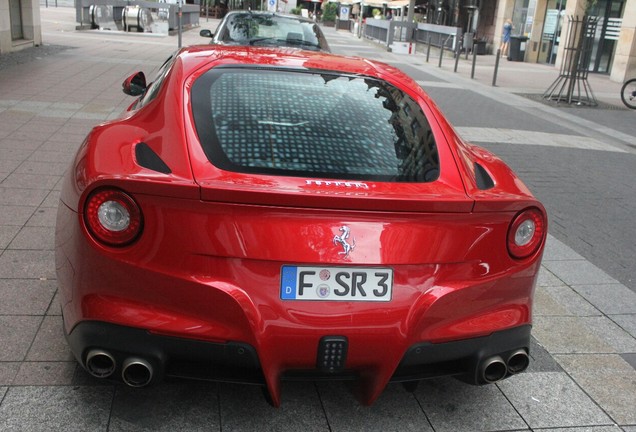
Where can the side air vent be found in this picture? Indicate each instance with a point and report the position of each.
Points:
(484, 181)
(147, 158)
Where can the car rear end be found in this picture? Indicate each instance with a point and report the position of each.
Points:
(339, 231)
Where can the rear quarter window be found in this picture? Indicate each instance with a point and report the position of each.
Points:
(316, 125)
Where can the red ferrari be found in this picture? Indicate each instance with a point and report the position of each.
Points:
(263, 214)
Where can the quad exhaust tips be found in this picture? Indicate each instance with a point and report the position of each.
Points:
(136, 372)
(495, 368)
(100, 363)
(518, 361)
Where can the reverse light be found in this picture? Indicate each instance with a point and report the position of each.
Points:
(112, 217)
(526, 233)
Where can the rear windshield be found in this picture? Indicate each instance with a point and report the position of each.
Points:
(316, 125)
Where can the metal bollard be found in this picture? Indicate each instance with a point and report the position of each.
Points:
(472, 70)
(441, 55)
(494, 76)
(457, 54)
(428, 50)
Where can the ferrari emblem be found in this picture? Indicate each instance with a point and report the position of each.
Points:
(342, 241)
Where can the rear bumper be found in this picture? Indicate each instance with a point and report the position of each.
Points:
(239, 362)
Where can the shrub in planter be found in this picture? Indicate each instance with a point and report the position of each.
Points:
(329, 12)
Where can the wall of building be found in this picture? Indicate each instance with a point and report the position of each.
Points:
(624, 63)
(624, 66)
(31, 26)
(534, 44)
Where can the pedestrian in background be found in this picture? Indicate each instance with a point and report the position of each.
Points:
(505, 38)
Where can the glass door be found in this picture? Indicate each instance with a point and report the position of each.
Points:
(551, 35)
(610, 18)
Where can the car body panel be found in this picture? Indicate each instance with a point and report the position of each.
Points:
(207, 266)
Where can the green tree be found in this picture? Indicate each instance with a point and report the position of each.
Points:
(329, 12)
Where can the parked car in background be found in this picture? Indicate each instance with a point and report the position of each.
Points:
(268, 29)
(264, 214)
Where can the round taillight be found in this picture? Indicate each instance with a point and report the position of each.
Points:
(526, 233)
(112, 217)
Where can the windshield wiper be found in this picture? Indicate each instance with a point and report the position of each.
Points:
(285, 42)
(264, 39)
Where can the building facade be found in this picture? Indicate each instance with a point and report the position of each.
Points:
(545, 22)
(19, 25)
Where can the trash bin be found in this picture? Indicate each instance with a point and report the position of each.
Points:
(479, 46)
(517, 50)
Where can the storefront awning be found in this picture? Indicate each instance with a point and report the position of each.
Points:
(398, 4)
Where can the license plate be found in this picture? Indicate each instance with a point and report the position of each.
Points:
(336, 283)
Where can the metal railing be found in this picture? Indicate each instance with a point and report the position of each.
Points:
(189, 17)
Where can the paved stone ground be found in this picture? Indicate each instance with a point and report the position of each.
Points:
(582, 377)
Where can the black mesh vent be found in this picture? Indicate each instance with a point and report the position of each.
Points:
(147, 158)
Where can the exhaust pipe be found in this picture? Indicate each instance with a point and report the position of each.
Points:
(518, 361)
(493, 369)
(136, 372)
(100, 363)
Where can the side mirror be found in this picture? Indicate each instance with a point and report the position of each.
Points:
(206, 33)
(135, 84)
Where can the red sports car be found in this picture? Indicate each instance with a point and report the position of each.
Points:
(268, 214)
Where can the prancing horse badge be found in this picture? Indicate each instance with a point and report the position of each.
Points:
(342, 241)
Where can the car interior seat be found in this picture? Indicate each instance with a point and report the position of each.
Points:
(294, 38)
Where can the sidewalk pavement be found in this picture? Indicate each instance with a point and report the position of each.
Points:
(582, 376)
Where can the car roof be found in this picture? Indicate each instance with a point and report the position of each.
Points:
(267, 13)
(197, 56)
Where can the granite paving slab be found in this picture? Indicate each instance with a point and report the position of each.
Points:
(395, 410)
(49, 343)
(611, 299)
(21, 196)
(34, 238)
(626, 322)
(578, 272)
(608, 379)
(612, 334)
(27, 264)
(567, 334)
(17, 333)
(7, 234)
(614, 428)
(25, 296)
(170, 407)
(45, 373)
(454, 406)
(547, 279)
(43, 217)
(243, 408)
(16, 215)
(8, 371)
(552, 399)
(55, 408)
(561, 301)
